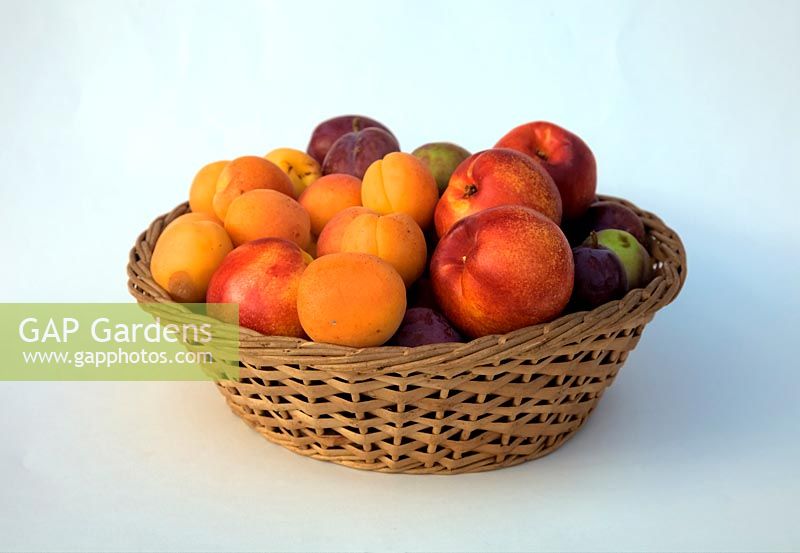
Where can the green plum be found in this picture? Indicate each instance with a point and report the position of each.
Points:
(635, 259)
(441, 158)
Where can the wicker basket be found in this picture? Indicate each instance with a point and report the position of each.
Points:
(447, 408)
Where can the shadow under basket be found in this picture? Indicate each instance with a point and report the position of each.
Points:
(494, 402)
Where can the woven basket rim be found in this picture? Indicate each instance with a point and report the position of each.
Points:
(664, 244)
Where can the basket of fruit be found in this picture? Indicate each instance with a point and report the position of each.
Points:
(433, 312)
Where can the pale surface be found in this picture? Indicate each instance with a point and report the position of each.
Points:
(106, 112)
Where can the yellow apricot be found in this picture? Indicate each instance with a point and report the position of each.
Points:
(186, 256)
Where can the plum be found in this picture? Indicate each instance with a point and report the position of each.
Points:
(441, 158)
(328, 132)
(634, 257)
(353, 152)
(599, 277)
(606, 215)
(421, 326)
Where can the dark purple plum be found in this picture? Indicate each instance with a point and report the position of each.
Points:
(355, 151)
(331, 130)
(422, 326)
(606, 215)
(599, 277)
(420, 294)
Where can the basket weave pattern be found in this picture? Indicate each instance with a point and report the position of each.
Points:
(447, 408)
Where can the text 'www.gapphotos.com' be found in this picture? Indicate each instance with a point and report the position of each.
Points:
(108, 359)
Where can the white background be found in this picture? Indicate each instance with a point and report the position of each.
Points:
(107, 110)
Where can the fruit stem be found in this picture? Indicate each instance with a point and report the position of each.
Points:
(469, 190)
(541, 155)
(593, 243)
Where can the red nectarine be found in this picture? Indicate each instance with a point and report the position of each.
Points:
(492, 178)
(262, 276)
(502, 269)
(565, 156)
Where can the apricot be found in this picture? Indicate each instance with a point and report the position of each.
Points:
(395, 238)
(244, 174)
(267, 214)
(301, 168)
(351, 299)
(192, 217)
(330, 239)
(186, 256)
(400, 183)
(204, 186)
(328, 196)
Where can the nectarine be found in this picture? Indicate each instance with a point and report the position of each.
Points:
(262, 276)
(502, 269)
(496, 177)
(566, 158)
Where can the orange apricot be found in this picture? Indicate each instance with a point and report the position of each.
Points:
(191, 217)
(400, 183)
(351, 299)
(186, 256)
(329, 195)
(244, 174)
(204, 186)
(395, 238)
(267, 214)
(330, 239)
